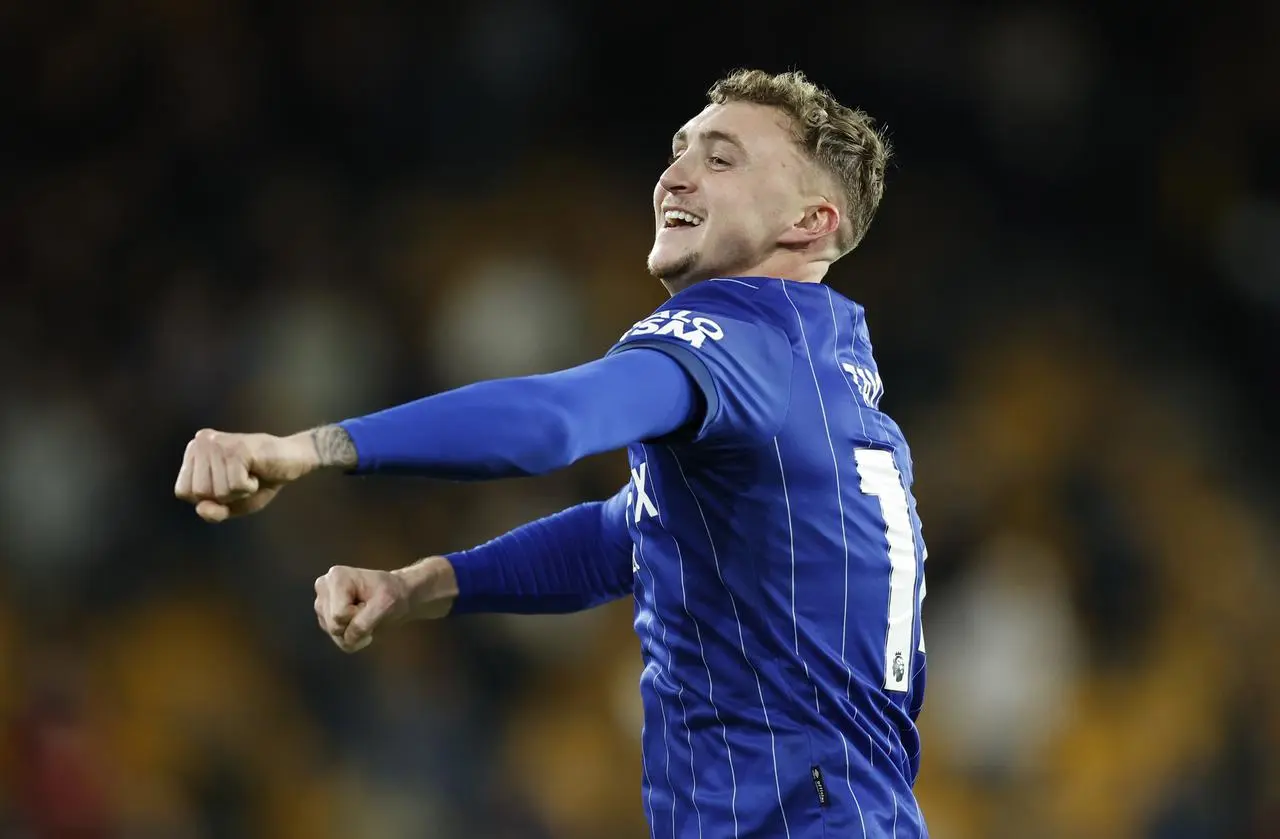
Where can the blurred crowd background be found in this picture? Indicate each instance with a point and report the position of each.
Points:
(263, 216)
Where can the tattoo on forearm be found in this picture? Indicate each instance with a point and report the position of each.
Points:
(333, 446)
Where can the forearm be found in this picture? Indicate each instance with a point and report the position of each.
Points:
(567, 562)
(517, 427)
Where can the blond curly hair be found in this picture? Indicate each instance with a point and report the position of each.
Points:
(842, 140)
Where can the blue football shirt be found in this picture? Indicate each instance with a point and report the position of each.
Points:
(779, 573)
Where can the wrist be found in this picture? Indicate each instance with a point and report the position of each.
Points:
(432, 586)
(299, 450)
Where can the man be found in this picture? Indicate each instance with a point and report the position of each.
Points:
(767, 532)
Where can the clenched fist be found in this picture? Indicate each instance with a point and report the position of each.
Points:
(351, 603)
(228, 475)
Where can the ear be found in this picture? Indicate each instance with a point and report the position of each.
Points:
(819, 220)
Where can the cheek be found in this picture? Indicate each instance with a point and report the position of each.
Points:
(744, 223)
(776, 199)
(751, 212)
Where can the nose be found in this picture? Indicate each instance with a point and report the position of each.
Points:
(676, 180)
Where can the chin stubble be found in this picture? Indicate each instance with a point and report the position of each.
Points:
(675, 270)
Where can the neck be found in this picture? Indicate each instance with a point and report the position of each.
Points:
(779, 269)
(794, 266)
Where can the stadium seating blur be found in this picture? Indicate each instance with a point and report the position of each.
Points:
(226, 214)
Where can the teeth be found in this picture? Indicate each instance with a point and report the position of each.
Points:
(681, 215)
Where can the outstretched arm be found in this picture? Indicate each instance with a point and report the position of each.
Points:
(524, 426)
(494, 429)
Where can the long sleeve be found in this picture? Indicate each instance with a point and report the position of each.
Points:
(530, 425)
(567, 562)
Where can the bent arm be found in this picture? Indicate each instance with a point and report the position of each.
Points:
(520, 426)
(573, 560)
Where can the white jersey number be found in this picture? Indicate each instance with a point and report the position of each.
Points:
(880, 477)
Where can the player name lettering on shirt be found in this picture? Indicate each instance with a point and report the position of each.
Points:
(868, 381)
(685, 325)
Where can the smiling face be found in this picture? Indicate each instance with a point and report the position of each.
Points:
(739, 198)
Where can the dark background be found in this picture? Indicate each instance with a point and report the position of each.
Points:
(262, 216)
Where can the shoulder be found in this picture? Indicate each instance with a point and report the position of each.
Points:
(727, 337)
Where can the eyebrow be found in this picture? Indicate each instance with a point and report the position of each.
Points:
(712, 135)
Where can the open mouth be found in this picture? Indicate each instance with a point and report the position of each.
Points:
(679, 218)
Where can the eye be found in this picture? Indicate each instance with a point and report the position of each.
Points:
(673, 157)
(718, 162)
